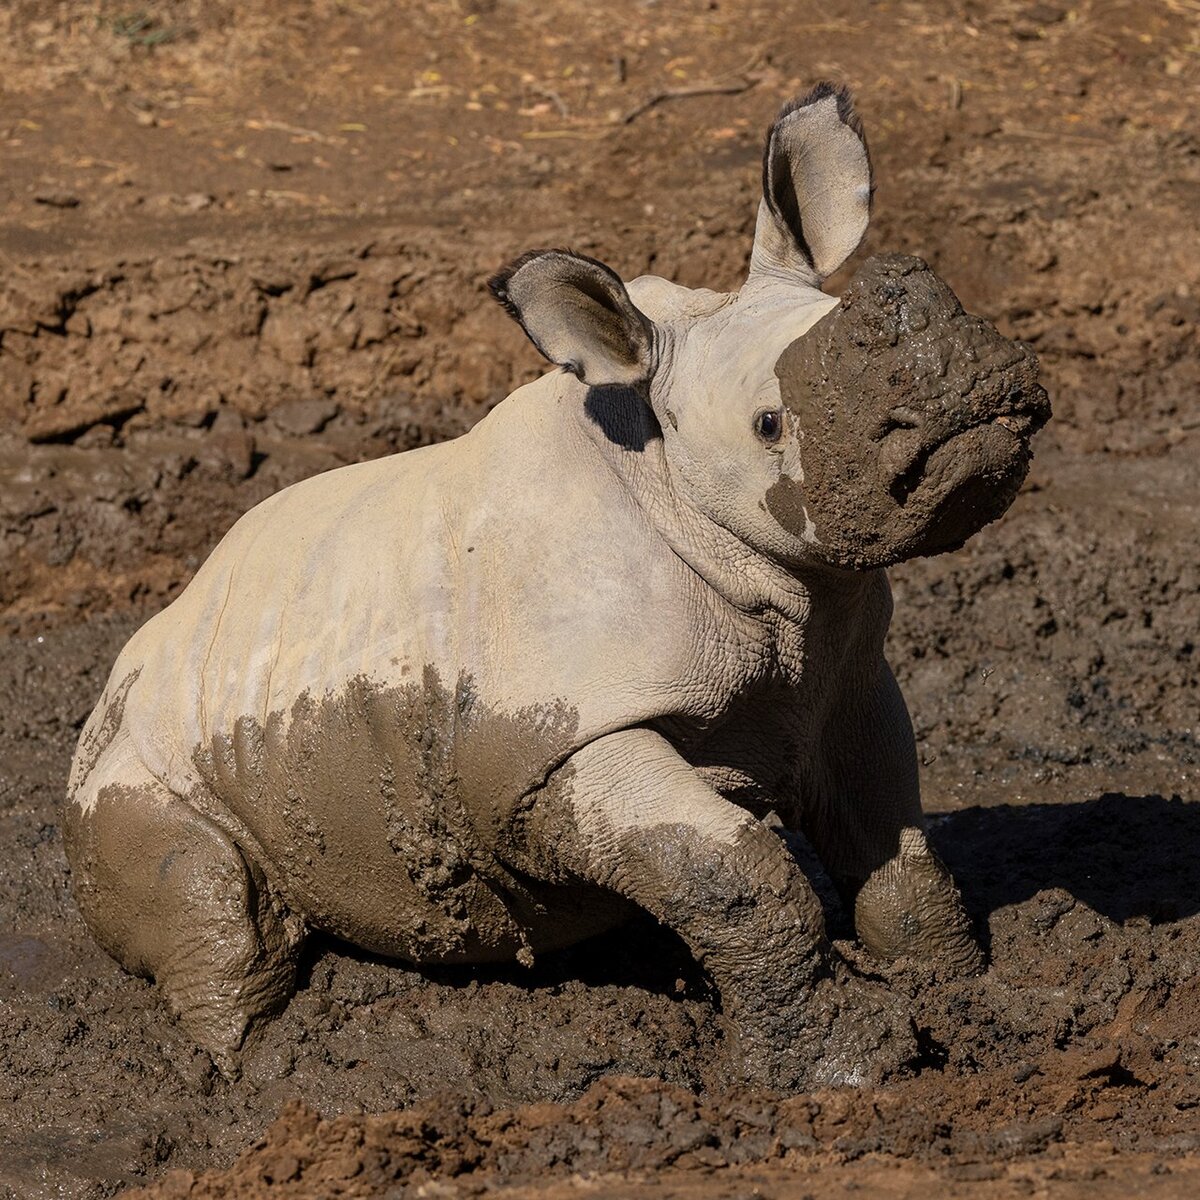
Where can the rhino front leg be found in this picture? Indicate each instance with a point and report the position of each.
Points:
(864, 820)
(629, 814)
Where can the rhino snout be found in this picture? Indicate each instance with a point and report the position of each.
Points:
(915, 415)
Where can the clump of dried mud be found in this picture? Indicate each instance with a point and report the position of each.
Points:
(255, 283)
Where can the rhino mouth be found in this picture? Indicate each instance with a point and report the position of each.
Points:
(1004, 435)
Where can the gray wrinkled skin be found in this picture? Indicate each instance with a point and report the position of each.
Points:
(479, 700)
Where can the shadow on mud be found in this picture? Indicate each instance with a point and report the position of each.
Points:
(1125, 857)
(639, 954)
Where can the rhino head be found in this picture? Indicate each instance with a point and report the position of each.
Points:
(852, 433)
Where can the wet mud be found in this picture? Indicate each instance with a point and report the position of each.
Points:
(415, 873)
(916, 419)
(218, 314)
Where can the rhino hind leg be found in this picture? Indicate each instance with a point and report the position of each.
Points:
(171, 897)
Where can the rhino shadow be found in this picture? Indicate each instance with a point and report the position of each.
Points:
(622, 415)
(1125, 857)
(640, 954)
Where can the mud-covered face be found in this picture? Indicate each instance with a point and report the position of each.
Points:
(913, 420)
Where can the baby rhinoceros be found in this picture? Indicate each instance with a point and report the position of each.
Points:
(475, 701)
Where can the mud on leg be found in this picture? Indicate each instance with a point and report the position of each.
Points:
(171, 897)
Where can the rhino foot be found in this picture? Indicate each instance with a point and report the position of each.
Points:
(911, 908)
(847, 1032)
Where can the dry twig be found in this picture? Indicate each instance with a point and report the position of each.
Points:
(312, 135)
(556, 100)
(684, 93)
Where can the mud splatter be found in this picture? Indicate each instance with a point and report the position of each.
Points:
(101, 729)
(785, 502)
(379, 811)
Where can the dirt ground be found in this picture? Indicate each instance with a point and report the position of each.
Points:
(242, 243)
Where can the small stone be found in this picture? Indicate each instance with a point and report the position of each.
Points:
(303, 417)
(287, 333)
(281, 1167)
(97, 436)
(229, 446)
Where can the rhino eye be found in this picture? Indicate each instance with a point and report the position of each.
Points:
(768, 424)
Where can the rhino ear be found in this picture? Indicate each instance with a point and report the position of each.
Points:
(817, 186)
(577, 312)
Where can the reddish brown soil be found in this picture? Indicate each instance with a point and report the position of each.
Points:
(245, 242)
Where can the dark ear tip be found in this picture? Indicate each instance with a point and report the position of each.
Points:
(846, 111)
(498, 284)
(822, 89)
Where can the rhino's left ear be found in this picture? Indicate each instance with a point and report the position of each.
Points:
(577, 312)
(817, 186)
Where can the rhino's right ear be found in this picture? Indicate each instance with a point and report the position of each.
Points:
(817, 186)
(577, 312)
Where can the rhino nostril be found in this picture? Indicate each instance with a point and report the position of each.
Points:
(901, 417)
(900, 442)
(905, 483)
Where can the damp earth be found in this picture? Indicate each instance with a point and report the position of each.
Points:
(245, 243)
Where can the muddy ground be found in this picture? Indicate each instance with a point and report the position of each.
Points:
(241, 243)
